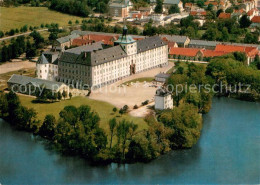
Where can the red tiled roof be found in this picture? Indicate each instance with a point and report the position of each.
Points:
(106, 39)
(190, 52)
(239, 11)
(256, 19)
(249, 50)
(213, 3)
(224, 15)
(80, 42)
(212, 53)
(188, 4)
(137, 15)
(172, 44)
(194, 13)
(251, 12)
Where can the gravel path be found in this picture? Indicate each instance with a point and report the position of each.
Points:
(14, 66)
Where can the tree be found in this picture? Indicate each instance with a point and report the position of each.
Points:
(48, 127)
(77, 22)
(121, 111)
(250, 38)
(257, 62)
(122, 136)
(239, 56)
(125, 108)
(38, 39)
(30, 50)
(225, 34)
(11, 32)
(112, 126)
(70, 95)
(244, 22)
(200, 3)
(64, 94)
(159, 6)
(210, 34)
(210, 7)
(3, 105)
(174, 9)
(70, 22)
(219, 12)
(1, 34)
(59, 96)
(114, 109)
(53, 36)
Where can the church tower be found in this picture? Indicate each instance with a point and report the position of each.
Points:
(127, 42)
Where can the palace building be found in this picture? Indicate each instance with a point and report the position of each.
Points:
(99, 67)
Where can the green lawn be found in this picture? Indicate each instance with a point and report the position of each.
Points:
(102, 108)
(146, 79)
(16, 17)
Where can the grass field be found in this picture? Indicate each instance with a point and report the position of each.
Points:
(103, 109)
(16, 17)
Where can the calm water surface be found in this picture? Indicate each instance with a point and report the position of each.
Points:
(227, 152)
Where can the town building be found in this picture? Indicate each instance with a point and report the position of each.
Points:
(255, 22)
(162, 77)
(120, 8)
(28, 85)
(163, 100)
(47, 66)
(202, 54)
(64, 42)
(186, 54)
(97, 68)
(250, 51)
(224, 15)
(253, 12)
(182, 41)
(203, 44)
(168, 3)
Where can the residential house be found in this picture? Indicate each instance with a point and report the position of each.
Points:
(182, 41)
(224, 15)
(188, 6)
(255, 22)
(199, 14)
(64, 42)
(163, 100)
(120, 8)
(168, 3)
(251, 13)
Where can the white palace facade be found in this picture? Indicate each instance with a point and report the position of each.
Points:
(99, 67)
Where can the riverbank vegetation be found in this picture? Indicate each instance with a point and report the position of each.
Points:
(77, 131)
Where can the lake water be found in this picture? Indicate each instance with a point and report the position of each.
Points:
(227, 152)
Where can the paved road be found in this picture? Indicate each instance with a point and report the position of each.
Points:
(17, 35)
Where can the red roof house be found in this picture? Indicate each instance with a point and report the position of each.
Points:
(256, 19)
(224, 15)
